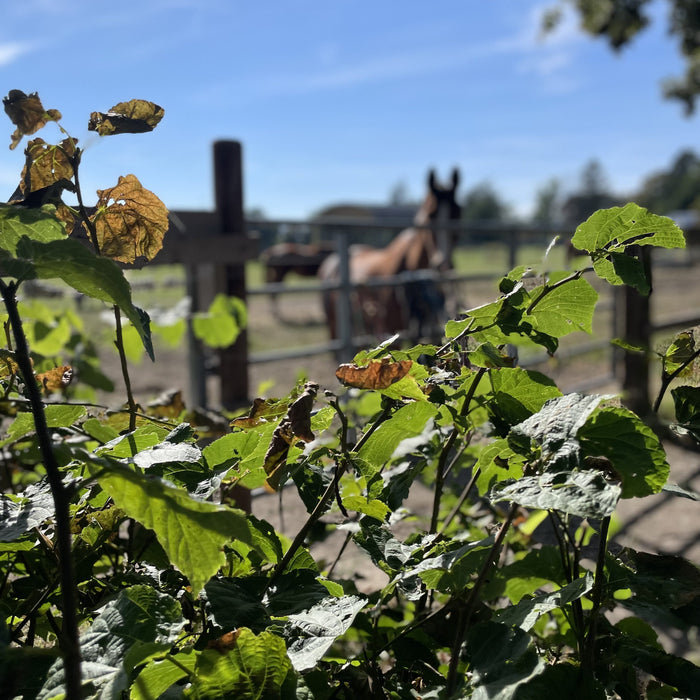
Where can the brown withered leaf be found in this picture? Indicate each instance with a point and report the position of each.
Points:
(378, 374)
(295, 425)
(257, 414)
(132, 117)
(299, 413)
(48, 164)
(225, 642)
(27, 113)
(130, 221)
(55, 379)
(169, 404)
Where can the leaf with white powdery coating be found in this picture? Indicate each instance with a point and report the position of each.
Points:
(192, 533)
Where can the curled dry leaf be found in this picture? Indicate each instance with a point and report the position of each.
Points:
(27, 113)
(132, 117)
(225, 642)
(130, 221)
(8, 364)
(55, 379)
(169, 404)
(378, 374)
(257, 414)
(295, 425)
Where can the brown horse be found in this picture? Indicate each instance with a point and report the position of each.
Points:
(383, 310)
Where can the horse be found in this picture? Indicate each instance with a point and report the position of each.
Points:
(384, 310)
(282, 258)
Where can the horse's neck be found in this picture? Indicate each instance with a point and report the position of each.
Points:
(412, 249)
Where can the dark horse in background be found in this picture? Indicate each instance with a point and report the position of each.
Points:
(302, 259)
(416, 306)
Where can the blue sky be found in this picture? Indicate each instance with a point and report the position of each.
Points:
(340, 100)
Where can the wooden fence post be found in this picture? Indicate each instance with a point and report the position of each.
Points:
(230, 279)
(637, 332)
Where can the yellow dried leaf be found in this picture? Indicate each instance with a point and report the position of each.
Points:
(132, 117)
(27, 113)
(8, 364)
(130, 221)
(55, 379)
(376, 375)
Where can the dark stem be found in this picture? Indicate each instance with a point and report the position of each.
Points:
(468, 611)
(666, 380)
(588, 659)
(92, 232)
(68, 640)
(447, 448)
(119, 343)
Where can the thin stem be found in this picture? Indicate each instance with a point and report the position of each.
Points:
(548, 288)
(447, 448)
(588, 659)
(457, 506)
(92, 232)
(119, 342)
(468, 611)
(68, 640)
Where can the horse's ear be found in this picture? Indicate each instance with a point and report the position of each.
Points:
(455, 178)
(431, 179)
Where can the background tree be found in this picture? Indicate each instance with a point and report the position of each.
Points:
(548, 204)
(619, 21)
(399, 195)
(593, 195)
(676, 189)
(483, 203)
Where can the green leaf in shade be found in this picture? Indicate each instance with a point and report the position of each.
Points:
(679, 353)
(517, 394)
(57, 416)
(584, 493)
(677, 672)
(563, 680)
(623, 226)
(686, 400)
(192, 533)
(564, 309)
(408, 422)
(312, 632)
(160, 674)
(498, 462)
(23, 512)
(231, 605)
(137, 623)
(126, 446)
(256, 668)
(501, 659)
(634, 450)
(81, 269)
(220, 325)
(38, 224)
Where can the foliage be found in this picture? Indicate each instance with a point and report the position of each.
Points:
(482, 203)
(675, 189)
(620, 21)
(127, 571)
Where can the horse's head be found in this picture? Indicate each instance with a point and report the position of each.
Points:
(440, 205)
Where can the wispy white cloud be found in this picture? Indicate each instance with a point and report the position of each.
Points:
(11, 51)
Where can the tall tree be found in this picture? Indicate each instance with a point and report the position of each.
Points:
(594, 194)
(548, 204)
(675, 189)
(620, 21)
(482, 203)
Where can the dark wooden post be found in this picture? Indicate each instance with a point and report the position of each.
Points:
(637, 331)
(230, 279)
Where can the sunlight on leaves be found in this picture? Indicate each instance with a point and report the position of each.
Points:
(27, 113)
(132, 117)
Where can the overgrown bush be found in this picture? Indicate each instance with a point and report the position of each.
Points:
(126, 572)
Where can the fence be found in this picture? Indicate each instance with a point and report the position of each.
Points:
(214, 246)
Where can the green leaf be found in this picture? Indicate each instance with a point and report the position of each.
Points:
(501, 660)
(407, 423)
(564, 309)
(583, 493)
(679, 353)
(220, 325)
(139, 622)
(517, 394)
(255, 669)
(367, 506)
(312, 632)
(25, 511)
(686, 400)
(160, 674)
(231, 604)
(38, 224)
(634, 450)
(57, 416)
(619, 227)
(497, 462)
(82, 270)
(191, 532)
(562, 680)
